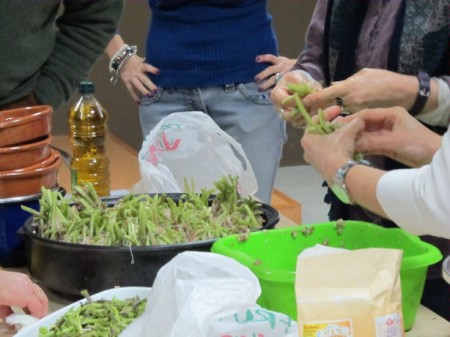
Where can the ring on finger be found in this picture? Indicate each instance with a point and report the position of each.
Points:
(278, 77)
(340, 103)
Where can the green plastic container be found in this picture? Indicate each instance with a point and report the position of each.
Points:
(272, 256)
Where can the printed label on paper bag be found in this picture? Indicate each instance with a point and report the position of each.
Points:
(389, 325)
(327, 329)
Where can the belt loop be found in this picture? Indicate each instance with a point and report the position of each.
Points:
(229, 88)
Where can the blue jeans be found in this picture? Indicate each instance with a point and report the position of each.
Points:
(241, 111)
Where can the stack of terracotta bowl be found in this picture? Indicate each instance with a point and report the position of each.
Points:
(27, 162)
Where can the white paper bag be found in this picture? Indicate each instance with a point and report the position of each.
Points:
(349, 293)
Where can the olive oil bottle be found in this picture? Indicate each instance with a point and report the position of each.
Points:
(88, 134)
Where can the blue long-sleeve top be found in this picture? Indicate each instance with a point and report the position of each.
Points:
(208, 42)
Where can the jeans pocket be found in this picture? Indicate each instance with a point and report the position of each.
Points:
(148, 100)
(250, 92)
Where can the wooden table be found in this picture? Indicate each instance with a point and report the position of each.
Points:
(125, 173)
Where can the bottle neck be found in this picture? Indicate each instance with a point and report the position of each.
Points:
(88, 97)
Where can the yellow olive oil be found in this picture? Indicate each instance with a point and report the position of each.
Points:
(88, 135)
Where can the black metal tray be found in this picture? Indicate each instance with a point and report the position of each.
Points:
(69, 268)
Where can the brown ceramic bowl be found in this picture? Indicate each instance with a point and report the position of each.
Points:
(20, 156)
(30, 179)
(22, 125)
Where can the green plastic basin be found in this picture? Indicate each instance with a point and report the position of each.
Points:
(272, 256)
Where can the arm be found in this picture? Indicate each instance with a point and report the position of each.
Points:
(327, 153)
(416, 199)
(84, 29)
(386, 89)
(16, 289)
(134, 71)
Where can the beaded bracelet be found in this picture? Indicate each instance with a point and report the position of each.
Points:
(119, 59)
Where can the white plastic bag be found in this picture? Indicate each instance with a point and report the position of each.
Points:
(190, 145)
(200, 294)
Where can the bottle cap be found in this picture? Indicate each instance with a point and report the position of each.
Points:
(86, 87)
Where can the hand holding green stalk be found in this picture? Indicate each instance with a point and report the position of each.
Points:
(317, 126)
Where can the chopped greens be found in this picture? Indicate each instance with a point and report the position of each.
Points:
(96, 318)
(142, 220)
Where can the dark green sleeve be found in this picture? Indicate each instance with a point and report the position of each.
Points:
(84, 29)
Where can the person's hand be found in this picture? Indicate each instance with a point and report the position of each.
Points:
(280, 93)
(394, 133)
(134, 74)
(279, 65)
(368, 88)
(328, 152)
(17, 289)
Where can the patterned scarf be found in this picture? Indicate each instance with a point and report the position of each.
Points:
(420, 39)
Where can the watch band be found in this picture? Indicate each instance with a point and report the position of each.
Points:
(423, 94)
(339, 188)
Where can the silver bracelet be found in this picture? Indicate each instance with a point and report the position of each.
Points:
(119, 59)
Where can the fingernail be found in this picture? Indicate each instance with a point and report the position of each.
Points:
(258, 58)
(260, 89)
(257, 79)
(157, 71)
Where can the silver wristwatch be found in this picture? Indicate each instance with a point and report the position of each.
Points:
(338, 185)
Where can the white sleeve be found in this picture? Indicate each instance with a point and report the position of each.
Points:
(441, 115)
(418, 200)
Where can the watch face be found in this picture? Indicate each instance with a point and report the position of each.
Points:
(340, 193)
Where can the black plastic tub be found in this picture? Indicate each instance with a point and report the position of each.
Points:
(69, 268)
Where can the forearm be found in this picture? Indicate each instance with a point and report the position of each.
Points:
(361, 182)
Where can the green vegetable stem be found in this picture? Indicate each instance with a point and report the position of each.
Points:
(96, 318)
(321, 126)
(142, 220)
